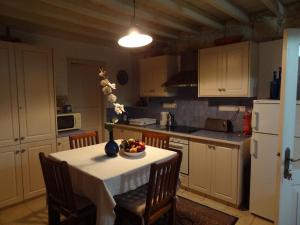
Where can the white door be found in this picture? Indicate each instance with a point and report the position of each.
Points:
(288, 181)
(224, 173)
(263, 175)
(200, 167)
(9, 128)
(10, 175)
(85, 95)
(210, 72)
(33, 182)
(236, 70)
(36, 93)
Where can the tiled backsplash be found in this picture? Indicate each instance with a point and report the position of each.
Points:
(190, 112)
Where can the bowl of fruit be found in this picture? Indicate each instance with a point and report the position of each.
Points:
(132, 147)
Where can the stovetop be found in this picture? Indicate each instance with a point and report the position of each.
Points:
(180, 129)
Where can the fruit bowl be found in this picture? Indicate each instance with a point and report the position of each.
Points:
(132, 147)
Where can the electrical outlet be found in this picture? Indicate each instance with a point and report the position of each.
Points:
(169, 106)
(231, 108)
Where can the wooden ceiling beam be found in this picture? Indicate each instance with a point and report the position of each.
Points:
(275, 7)
(228, 8)
(79, 9)
(128, 10)
(37, 8)
(13, 13)
(188, 13)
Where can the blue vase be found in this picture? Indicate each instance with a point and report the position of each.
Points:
(111, 147)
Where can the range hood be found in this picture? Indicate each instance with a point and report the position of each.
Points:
(188, 75)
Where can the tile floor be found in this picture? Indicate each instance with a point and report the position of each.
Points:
(34, 212)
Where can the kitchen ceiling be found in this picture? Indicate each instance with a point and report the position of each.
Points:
(105, 21)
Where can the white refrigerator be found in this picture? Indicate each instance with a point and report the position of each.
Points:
(264, 149)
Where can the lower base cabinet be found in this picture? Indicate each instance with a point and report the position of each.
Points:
(11, 188)
(63, 144)
(120, 133)
(20, 171)
(214, 171)
(33, 182)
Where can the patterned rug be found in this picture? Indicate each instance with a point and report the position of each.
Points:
(192, 213)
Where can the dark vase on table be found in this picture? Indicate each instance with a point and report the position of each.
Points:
(111, 147)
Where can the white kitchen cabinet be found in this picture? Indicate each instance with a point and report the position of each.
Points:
(63, 144)
(155, 71)
(214, 171)
(9, 129)
(228, 71)
(122, 133)
(200, 167)
(36, 93)
(224, 173)
(33, 182)
(11, 189)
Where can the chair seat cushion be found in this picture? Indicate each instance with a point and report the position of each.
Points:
(133, 201)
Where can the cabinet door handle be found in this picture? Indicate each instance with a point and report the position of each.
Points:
(22, 138)
(16, 139)
(220, 89)
(211, 147)
(58, 143)
(23, 150)
(224, 89)
(17, 152)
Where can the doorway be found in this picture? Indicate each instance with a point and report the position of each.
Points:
(85, 95)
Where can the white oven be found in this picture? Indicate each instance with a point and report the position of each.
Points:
(68, 121)
(182, 145)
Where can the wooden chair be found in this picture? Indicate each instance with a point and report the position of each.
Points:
(85, 139)
(60, 196)
(156, 139)
(146, 204)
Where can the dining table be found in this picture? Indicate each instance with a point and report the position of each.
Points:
(99, 177)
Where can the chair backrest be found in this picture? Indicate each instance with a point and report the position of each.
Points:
(156, 139)
(162, 187)
(84, 139)
(58, 183)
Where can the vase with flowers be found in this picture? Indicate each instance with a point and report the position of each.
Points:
(111, 147)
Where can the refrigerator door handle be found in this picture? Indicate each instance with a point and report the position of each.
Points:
(255, 121)
(253, 149)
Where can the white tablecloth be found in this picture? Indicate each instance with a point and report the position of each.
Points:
(99, 177)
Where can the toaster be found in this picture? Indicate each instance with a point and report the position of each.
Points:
(221, 125)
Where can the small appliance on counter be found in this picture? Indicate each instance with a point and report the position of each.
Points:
(163, 118)
(68, 121)
(142, 121)
(220, 125)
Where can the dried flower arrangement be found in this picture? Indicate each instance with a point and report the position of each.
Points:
(107, 89)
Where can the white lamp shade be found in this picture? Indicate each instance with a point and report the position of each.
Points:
(135, 39)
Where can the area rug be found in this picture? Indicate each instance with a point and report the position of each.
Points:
(192, 213)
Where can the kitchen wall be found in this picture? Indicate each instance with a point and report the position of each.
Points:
(191, 112)
(114, 60)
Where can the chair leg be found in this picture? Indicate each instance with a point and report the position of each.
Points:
(172, 215)
(53, 216)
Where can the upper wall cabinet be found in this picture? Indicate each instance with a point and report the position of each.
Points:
(36, 93)
(9, 129)
(154, 72)
(228, 71)
(27, 111)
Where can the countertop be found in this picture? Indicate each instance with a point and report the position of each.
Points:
(237, 139)
(69, 132)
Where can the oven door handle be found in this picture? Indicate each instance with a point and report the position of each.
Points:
(176, 146)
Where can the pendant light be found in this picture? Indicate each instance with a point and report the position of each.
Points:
(134, 38)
